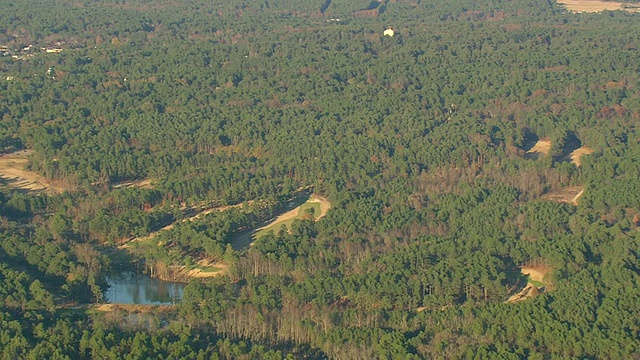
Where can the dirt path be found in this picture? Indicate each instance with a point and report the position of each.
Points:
(246, 238)
(596, 6)
(574, 201)
(14, 175)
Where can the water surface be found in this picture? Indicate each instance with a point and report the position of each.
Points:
(127, 287)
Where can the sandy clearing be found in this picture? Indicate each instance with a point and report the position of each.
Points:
(596, 6)
(577, 153)
(137, 308)
(325, 205)
(14, 175)
(527, 292)
(141, 184)
(535, 273)
(542, 146)
(569, 195)
(284, 217)
(198, 273)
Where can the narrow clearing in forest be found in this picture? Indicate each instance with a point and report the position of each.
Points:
(597, 6)
(14, 176)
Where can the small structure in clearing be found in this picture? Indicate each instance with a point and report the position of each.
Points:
(389, 32)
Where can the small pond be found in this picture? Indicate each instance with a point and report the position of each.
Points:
(128, 287)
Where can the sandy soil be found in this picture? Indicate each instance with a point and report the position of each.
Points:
(568, 195)
(324, 205)
(138, 308)
(542, 146)
(284, 217)
(595, 6)
(14, 175)
(535, 273)
(141, 184)
(527, 292)
(197, 273)
(577, 153)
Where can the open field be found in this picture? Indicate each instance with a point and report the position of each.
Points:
(13, 175)
(597, 6)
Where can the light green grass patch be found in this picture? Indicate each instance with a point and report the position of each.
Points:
(208, 269)
(537, 284)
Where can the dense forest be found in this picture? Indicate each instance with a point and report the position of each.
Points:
(429, 145)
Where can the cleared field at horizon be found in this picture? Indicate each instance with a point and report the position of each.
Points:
(597, 6)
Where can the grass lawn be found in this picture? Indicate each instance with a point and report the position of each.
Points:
(536, 283)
